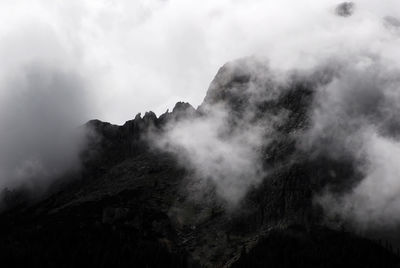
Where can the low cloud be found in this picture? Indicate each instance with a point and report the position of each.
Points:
(42, 105)
(44, 98)
(355, 117)
(40, 112)
(374, 203)
(223, 144)
(147, 55)
(228, 159)
(62, 61)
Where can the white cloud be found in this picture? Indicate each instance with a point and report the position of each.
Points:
(146, 55)
(130, 56)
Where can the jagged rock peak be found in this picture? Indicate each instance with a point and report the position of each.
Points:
(345, 9)
(150, 117)
(98, 126)
(182, 106)
(138, 116)
(240, 84)
(231, 77)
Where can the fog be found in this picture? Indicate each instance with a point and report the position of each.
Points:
(147, 55)
(352, 117)
(223, 144)
(64, 62)
(39, 117)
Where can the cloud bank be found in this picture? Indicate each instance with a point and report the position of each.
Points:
(353, 114)
(65, 62)
(39, 138)
(357, 115)
(226, 160)
(43, 100)
(149, 54)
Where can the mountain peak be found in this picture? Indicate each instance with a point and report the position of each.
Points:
(139, 205)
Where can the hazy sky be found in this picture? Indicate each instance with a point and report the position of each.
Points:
(134, 56)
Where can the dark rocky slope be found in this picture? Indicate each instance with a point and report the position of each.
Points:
(129, 208)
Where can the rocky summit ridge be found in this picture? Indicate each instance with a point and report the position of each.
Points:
(130, 208)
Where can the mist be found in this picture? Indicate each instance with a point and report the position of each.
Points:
(148, 55)
(228, 161)
(44, 99)
(40, 139)
(67, 62)
(353, 115)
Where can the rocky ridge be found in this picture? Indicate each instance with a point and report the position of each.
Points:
(130, 206)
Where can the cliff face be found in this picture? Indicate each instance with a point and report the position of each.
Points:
(131, 207)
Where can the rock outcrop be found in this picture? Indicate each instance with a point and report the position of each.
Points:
(130, 207)
(345, 9)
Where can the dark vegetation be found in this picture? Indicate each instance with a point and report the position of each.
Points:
(318, 247)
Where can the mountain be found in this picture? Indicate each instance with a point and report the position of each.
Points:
(130, 206)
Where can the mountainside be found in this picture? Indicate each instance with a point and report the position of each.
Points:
(131, 206)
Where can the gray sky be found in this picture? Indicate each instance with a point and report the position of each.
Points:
(144, 55)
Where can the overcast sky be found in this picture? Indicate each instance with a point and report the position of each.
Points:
(135, 56)
(65, 62)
